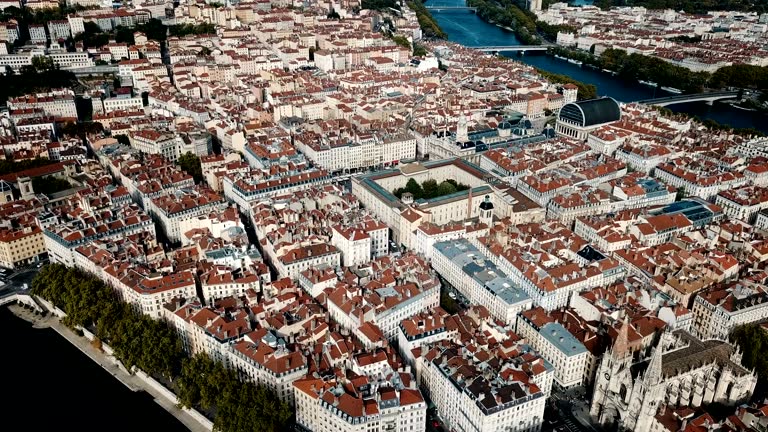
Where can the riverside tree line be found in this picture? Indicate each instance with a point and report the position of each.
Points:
(154, 347)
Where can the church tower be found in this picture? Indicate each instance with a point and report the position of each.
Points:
(649, 393)
(613, 382)
(486, 211)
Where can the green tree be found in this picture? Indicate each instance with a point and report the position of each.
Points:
(43, 63)
(430, 189)
(124, 35)
(427, 23)
(30, 80)
(752, 339)
(401, 41)
(447, 303)
(445, 188)
(414, 188)
(154, 29)
(419, 50)
(380, 4)
(190, 163)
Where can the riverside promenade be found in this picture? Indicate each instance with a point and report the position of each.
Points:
(136, 382)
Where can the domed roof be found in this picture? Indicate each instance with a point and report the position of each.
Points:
(486, 204)
(591, 112)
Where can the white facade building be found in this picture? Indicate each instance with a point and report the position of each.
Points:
(462, 265)
(556, 344)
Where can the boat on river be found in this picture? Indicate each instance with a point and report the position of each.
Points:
(576, 62)
(672, 90)
(648, 83)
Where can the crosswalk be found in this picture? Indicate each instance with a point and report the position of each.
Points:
(572, 425)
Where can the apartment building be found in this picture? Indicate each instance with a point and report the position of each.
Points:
(743, 203)
(556, 344)
(173, 207)
(264, 358)
(58, 103)
(476, 277)
(20, 246)
(471, 395)
(301, 258)
(716, 312)
(155, 142)
(335, 403)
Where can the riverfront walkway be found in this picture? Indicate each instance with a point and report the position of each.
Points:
(109, 364)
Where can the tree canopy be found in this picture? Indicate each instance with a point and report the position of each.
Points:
(586, 91)
(429, 27)
(153, 346)
(752, 339)
(191, 29)
(511, 14)
(430, 189)
(380, 4)
(122, 139)
(190, 163)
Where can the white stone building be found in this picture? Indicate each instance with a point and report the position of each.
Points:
(556, 344)
(462, 265)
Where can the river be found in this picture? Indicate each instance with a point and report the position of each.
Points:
(468, 29)
(50, 385)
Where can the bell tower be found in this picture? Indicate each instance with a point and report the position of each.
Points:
(486, 211)
(613, 381)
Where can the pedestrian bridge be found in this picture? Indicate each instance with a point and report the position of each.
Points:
(698, 97)
(517, 48)
(23, 299)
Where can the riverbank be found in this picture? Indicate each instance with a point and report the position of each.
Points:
(55, 386)
(468, 29)
(508, 15)
(138, 382)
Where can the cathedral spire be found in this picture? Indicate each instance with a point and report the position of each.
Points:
(653, 373)
(621, 344)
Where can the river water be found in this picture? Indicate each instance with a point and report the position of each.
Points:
(468, 29)
(50, 385)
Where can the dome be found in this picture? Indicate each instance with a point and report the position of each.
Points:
(486, 204)
(591, 112)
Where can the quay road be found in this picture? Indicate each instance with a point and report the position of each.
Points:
(19, 280)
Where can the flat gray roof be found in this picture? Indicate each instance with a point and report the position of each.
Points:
(562, 339)
(473, 263)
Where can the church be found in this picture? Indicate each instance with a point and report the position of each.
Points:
(682, 371)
